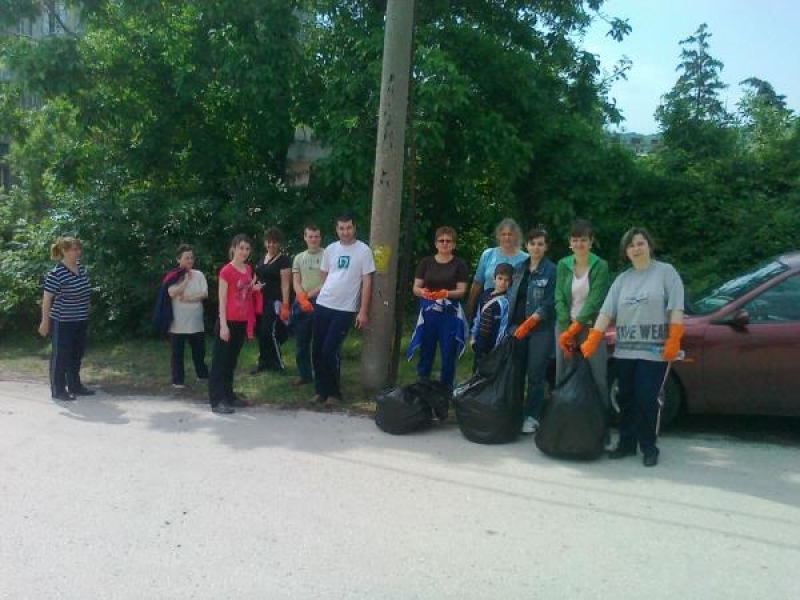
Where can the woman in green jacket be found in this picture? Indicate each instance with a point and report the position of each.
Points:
(582, 282)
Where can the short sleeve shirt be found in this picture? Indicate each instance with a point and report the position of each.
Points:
(345, 265)
(442, 276)
(187, 317)
(490, 258)
(269, 273)
(639, 302)
(239, 302)
(307, 265)
(71, 293)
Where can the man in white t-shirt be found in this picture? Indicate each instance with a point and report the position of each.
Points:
(346, 279)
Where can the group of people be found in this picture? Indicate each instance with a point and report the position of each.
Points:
(552, 309)
(323, 293)
(557, 309)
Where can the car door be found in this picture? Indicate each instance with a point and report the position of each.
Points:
(756, 369)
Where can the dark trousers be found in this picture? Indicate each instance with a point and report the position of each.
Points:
(330, 329)
(639, 384)
(535, 352)
(197, 342)
(271, 334)
(69, 345)
(223, 362)
(303, 333)
(438, 328)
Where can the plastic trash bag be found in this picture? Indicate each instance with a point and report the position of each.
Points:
(489, 406)
(573, 423)
(436, 394)
(411, 407)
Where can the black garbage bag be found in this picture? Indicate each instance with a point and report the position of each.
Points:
(436, 394)
(573, 423)
(489, 406)
(411, 407)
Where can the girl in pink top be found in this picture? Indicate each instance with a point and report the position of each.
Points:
(238, 294)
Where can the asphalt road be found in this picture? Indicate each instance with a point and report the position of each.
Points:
(151, 497)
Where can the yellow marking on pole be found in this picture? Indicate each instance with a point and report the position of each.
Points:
(381, 255)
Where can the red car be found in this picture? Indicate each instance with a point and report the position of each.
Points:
(742, 346)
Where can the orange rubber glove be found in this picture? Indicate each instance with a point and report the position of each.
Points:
(590, 345)
(526, 326)
(283, 315)
(672, 345)
(305, 303)
(567, 338)
(434, 295)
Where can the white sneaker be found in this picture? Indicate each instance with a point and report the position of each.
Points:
(178, 386)
(530, 425)
(608, 443)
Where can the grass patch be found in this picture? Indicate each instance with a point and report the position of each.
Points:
(142, 367)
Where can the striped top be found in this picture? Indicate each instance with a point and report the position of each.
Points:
(71, 293)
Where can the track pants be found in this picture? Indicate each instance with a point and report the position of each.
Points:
(438, 328)
(69, 345)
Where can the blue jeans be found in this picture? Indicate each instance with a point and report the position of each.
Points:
(639, 384)
(438, 328)
(535, 353)
(303, 333)
(197, 342)
(330, 329)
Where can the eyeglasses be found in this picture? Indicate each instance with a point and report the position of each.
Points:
(444, 241)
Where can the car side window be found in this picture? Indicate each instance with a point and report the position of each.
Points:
(781, 302)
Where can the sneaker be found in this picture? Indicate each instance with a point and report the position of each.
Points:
(82, 391)
(178, 386)
(316, 399)
(530, 425)
(621, 451)
(64, 397)
(223, 408)
(300, 381)
(331, 401)
(650, 458)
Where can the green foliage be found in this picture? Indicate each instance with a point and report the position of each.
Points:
(168, 122)
(722, 193)
(500, 92)
(23, 264)
(695, 96)
(162, 123)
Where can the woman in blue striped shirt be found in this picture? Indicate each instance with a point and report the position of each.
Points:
(65, 315)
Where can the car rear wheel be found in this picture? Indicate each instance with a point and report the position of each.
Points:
(672, 397)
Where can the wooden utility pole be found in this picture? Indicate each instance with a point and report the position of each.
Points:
(387, 192)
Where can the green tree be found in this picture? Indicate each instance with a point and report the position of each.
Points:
(173, 124)
(765, 119)
(692, 115)
(500, 93)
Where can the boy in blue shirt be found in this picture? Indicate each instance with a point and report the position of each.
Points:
(491, 318)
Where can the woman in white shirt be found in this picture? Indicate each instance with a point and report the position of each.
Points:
(187, 297)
